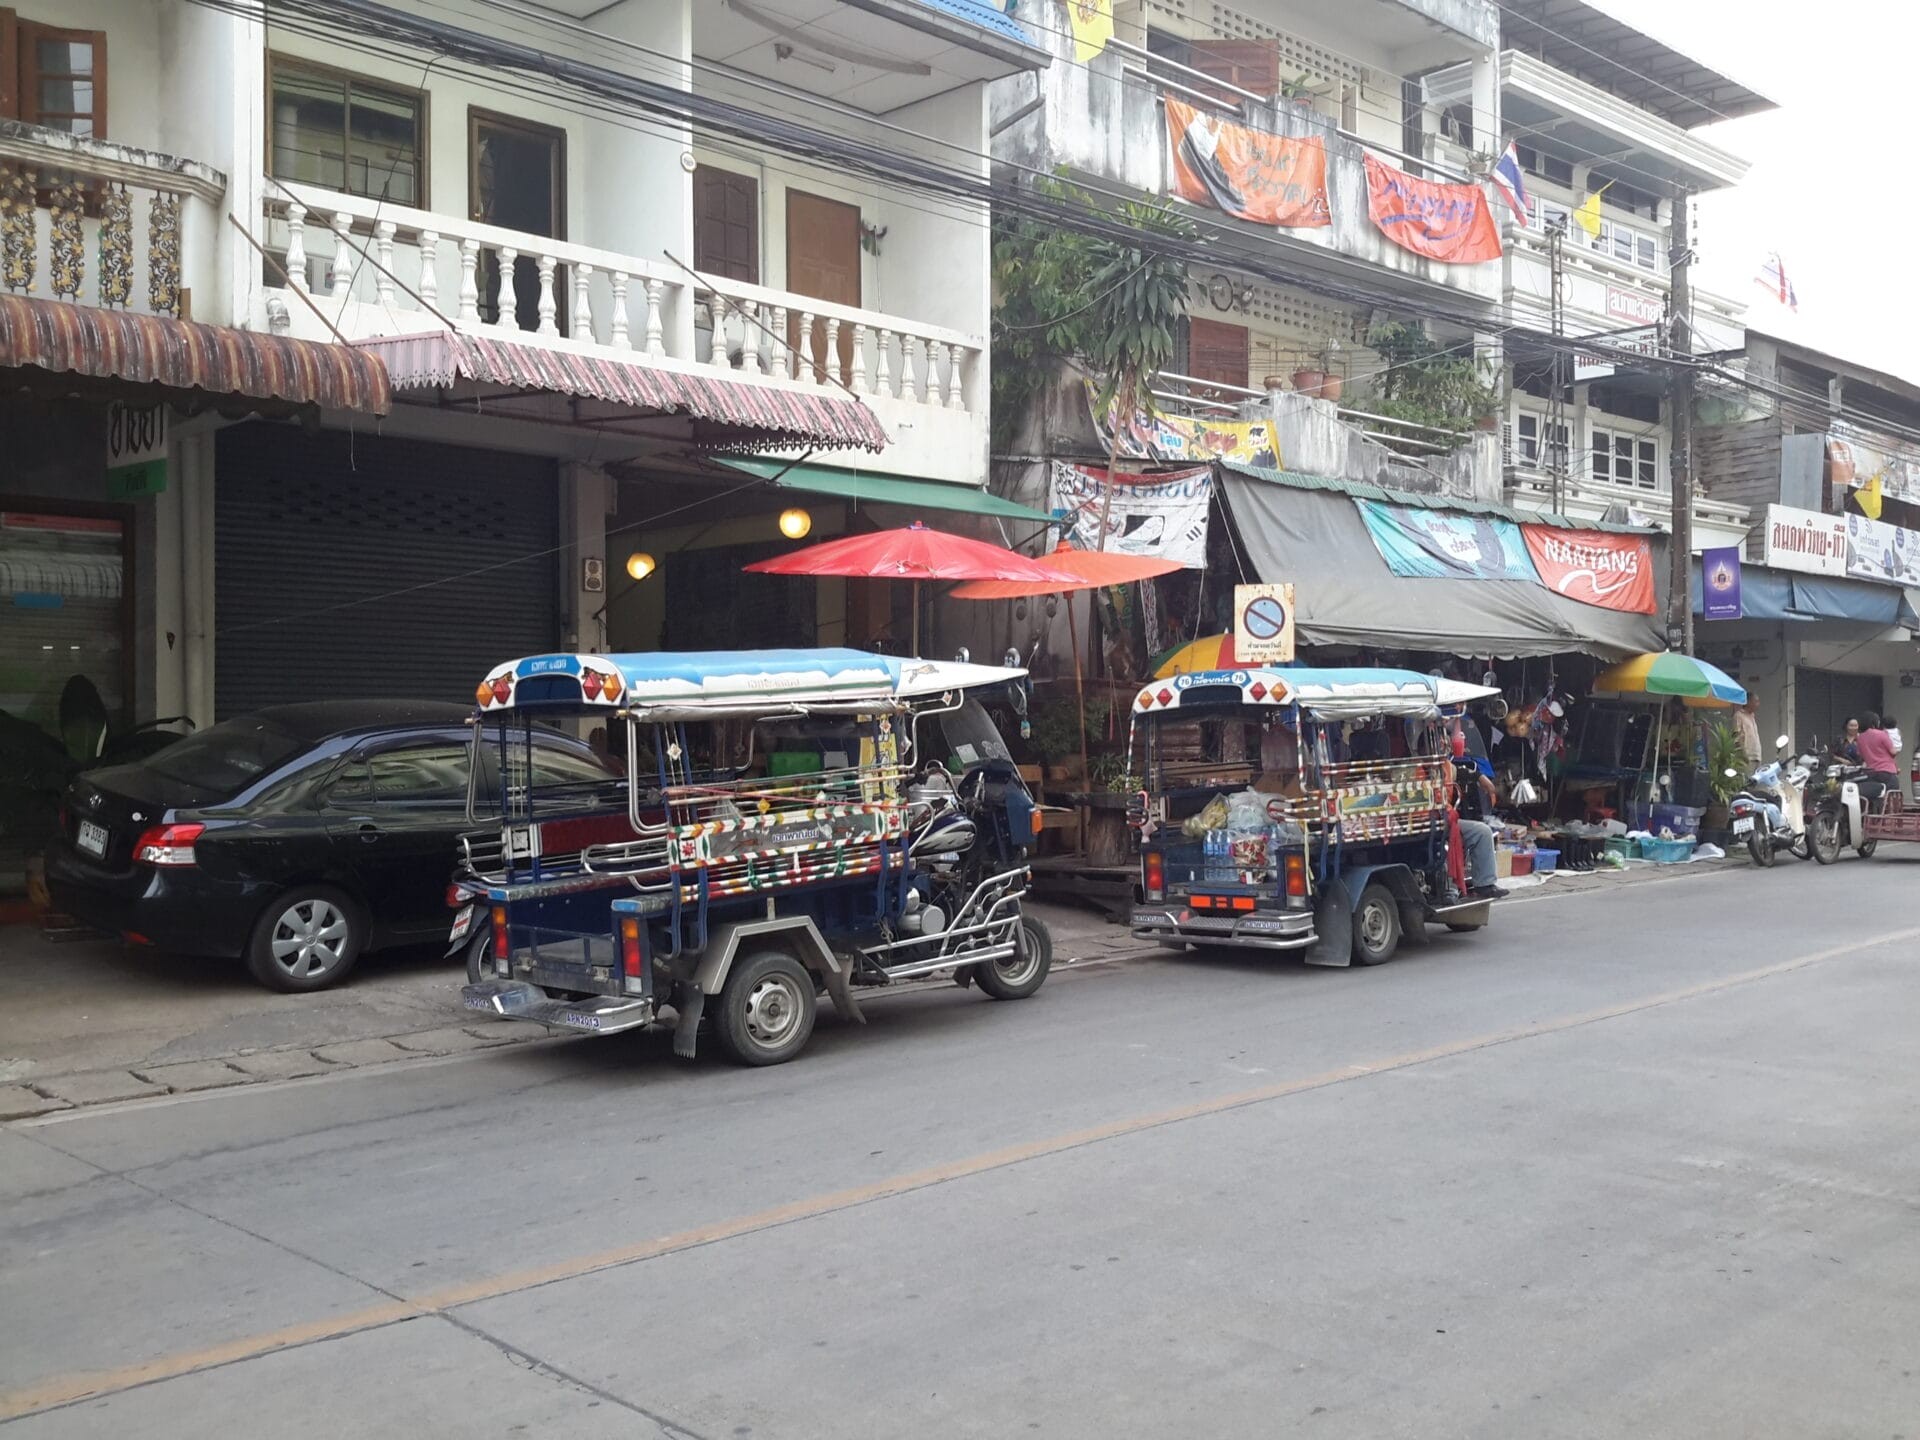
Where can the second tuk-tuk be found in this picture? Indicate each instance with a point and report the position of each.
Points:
(1301, 810)
(790, 823)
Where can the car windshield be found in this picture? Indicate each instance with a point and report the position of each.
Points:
(224, 759)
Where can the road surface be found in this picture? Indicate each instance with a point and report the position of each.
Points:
(1632, 1163)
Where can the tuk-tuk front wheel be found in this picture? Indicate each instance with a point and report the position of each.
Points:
(1022, 972)
(1376, 926)
(766, 1009)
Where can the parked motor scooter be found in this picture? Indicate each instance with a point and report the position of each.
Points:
(1780, 789)
(1838, 810)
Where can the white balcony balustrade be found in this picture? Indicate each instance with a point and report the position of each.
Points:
(94, 223)
(379, 269)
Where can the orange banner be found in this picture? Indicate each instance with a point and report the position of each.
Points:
(1595, 567)
(1268, 179)
(1448, 223)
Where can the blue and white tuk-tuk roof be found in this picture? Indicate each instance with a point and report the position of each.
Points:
(1329, 693)
(688, 684)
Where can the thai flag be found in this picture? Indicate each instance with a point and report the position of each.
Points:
(1511, 183)
(1773, 279)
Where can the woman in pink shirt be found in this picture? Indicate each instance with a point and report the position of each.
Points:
(1875, 748)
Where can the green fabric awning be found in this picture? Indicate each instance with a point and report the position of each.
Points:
(884, 489)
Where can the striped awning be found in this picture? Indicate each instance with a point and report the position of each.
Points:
(745, 411)
(186, 357)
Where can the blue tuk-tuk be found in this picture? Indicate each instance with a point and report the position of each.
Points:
(784, 823)
(1300, 810)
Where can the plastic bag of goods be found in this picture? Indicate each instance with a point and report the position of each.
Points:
(1213, 816)
(1248, 832)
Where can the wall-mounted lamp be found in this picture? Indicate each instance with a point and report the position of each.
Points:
(795, 523)
(640, 565)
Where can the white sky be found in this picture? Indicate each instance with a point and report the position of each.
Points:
(1830, 187)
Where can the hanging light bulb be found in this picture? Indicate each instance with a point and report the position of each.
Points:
(795, 523)
(640, 565)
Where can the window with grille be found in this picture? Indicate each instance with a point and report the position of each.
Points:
(52, 76)
(1531, 443)
(1622, 457)
(340, 132)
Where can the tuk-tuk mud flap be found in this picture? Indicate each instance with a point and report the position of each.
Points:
(1333, 927)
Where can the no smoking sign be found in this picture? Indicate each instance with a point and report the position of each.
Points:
(1263, 624)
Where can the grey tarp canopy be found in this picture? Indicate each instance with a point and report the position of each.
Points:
(1309, 531)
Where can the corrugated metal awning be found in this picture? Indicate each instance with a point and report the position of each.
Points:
(752, 412)
(187, 357)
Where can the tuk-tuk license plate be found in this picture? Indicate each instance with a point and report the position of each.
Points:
(1743, 826)
(462, 925)
(93, 839)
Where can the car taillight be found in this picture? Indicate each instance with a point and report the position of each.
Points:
(456, 897)
(167, 845)
(501, 949)
(1153, 875)
(632, 960)
(1296, 867)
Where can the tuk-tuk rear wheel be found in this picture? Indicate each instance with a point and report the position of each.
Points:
(766, 1009)
(1376, 926)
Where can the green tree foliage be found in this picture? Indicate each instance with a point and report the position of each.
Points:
(1425, 383)
(1063, 293)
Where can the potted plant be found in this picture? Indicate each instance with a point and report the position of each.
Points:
(1727, 767)
(1300, 90)
(1440, 388)
(1316, 376)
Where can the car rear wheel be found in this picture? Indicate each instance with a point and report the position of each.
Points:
(308, 939)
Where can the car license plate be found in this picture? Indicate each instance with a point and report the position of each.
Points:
(462, 925)
(1743, 826)
(93, 839)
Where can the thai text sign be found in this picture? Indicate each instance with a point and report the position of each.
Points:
(1448, 223)
(1637, 307)
(1251, 175)
(1804, 540)
(1594, 567)
(1160, 516)
(1263, 624)
(1446, 545)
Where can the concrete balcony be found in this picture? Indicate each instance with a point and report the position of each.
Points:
(373, 270)
(1715, 522)
(90, 222)
(1106, 121)
(1603, 294)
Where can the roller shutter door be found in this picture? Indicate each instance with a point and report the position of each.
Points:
(349, 566)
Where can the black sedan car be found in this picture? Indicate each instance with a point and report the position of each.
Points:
(296, 838)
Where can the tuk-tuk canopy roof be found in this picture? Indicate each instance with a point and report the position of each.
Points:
(1333, 693)
(666, 685)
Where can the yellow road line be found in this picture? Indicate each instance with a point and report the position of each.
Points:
(66, 1389)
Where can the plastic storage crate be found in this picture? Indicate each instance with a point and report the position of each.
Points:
(1665, 852)
(1681, 819)
(1545, 861)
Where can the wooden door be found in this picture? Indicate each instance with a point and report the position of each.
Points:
(1219, 352)
(518, 181)
(823, 262)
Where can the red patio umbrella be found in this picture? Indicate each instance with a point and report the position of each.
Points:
(917, 554)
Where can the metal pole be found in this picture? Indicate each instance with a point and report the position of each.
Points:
(1680, 345)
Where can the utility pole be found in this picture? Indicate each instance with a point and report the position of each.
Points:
(1680, 349)
(1553, 444)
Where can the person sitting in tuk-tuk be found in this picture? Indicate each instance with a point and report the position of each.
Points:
(1473, 795)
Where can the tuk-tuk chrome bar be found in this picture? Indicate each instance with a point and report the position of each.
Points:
(992, 919)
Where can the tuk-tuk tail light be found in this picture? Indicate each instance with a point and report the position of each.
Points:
(1153, 875)
(502, 948)
(632, 960)
(1296, 868)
